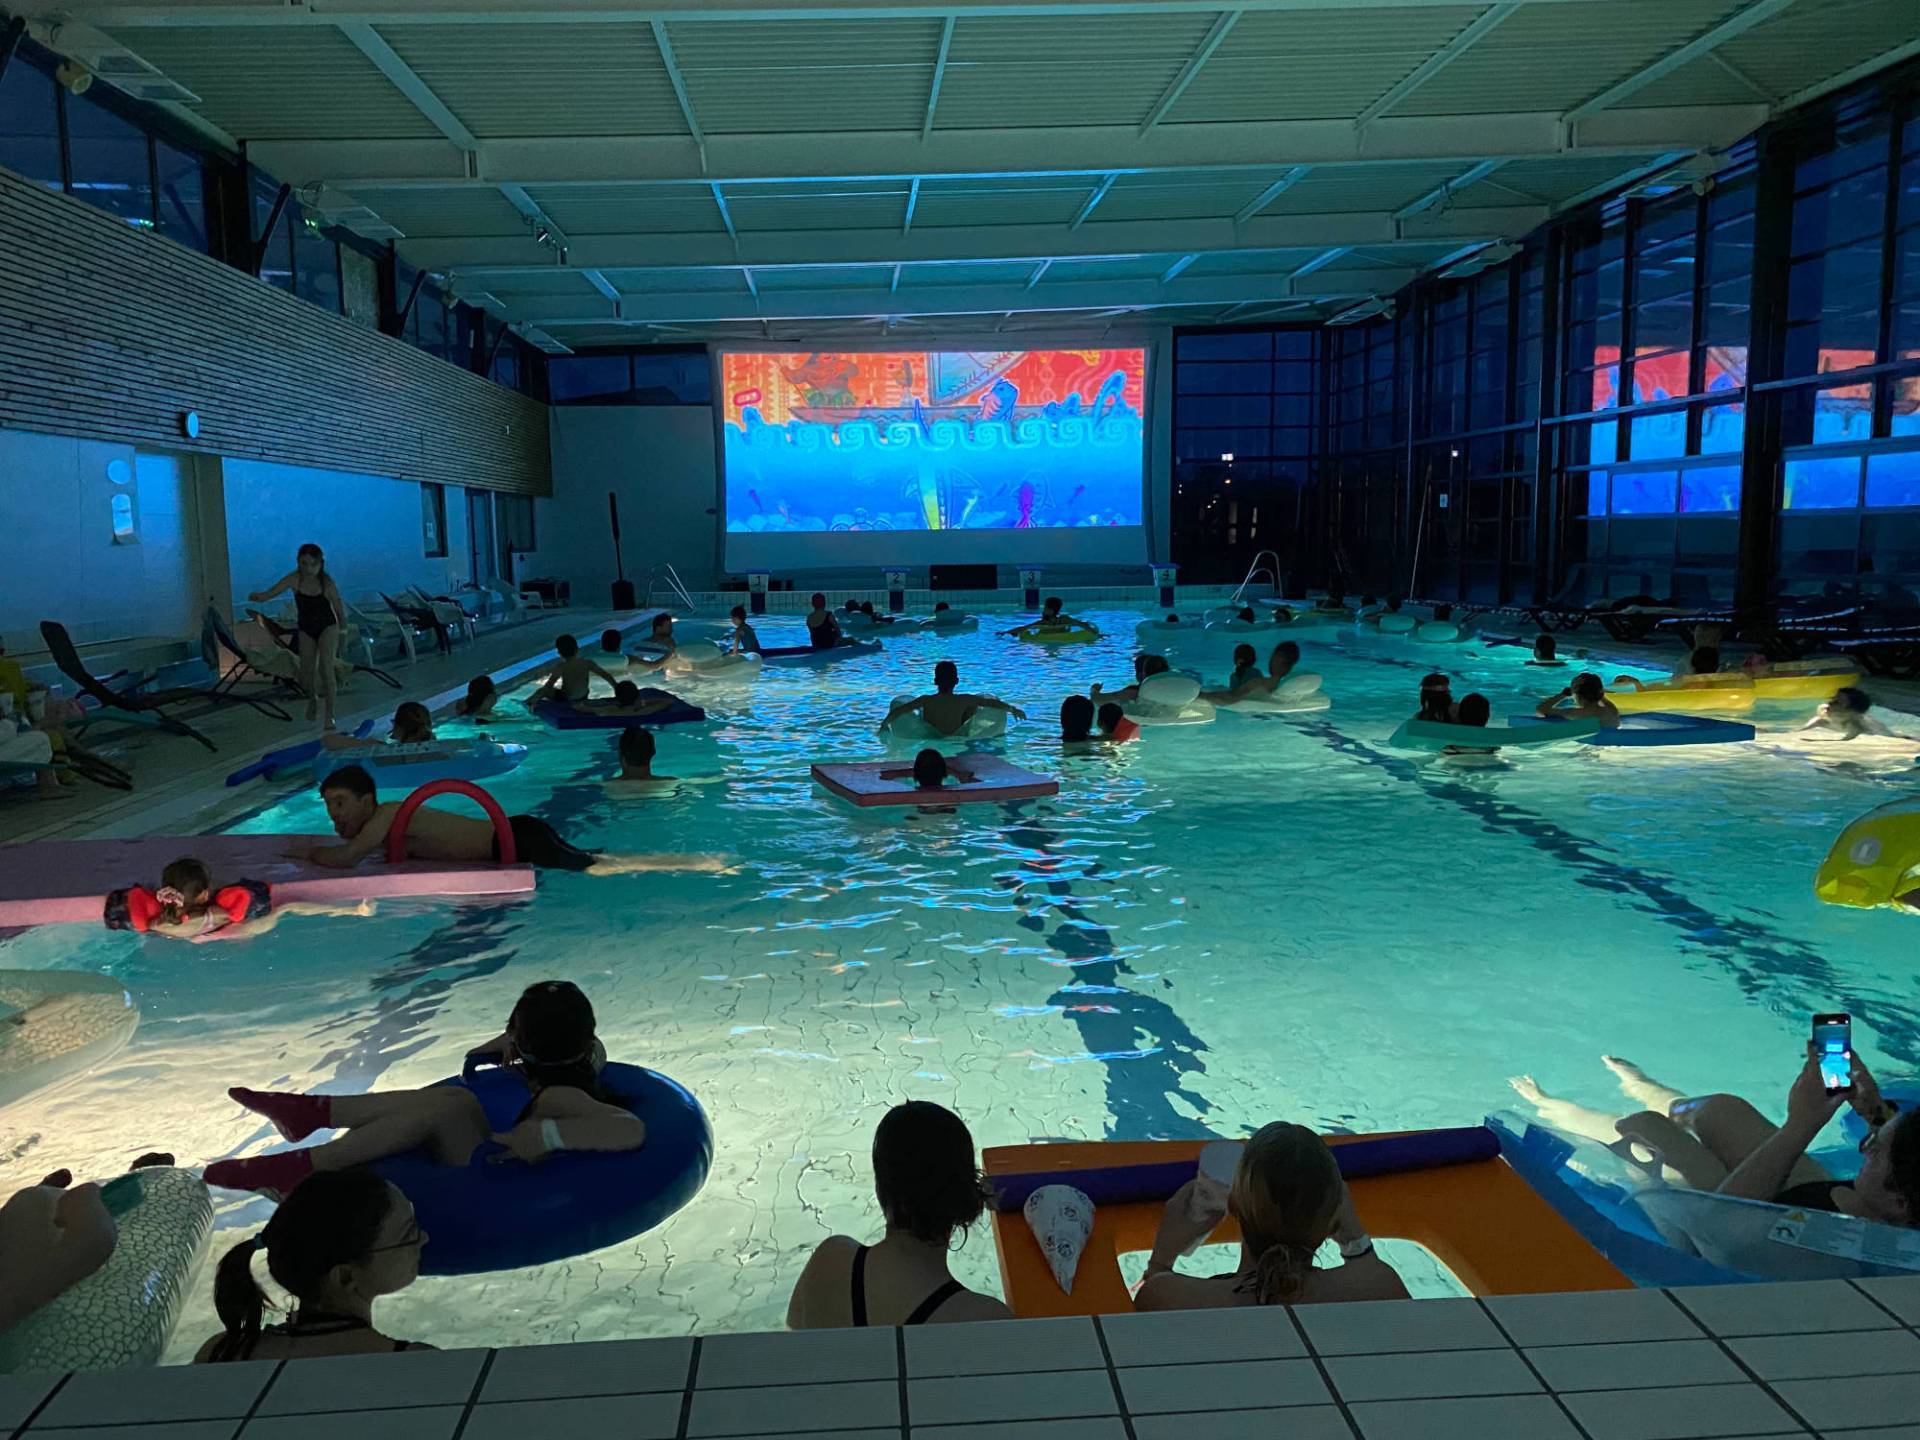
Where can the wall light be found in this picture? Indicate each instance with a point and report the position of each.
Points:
(1227, 455)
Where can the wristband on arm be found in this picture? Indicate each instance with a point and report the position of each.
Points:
(550, 1136)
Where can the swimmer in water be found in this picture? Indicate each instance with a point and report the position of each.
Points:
(481, 697)
(1144, 667)
(1053, 621)
(1436, 700)
(637, 747)
(571, 679)
(1846, 716)
(930, 771)
(188, 906)
(361, 820)
(1076, 719)
(1585, 698)
(627, 700)
(1115, 726)
(412, 725)
(1545, 651)
(947, 711)
(1280, 664)
(743, 637)
(659, 643)
(1473, 710)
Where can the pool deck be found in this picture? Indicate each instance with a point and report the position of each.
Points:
(1825, 1357)
(179, 785)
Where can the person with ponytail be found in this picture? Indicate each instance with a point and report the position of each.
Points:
(337, 1245)
(549, 1041)
(930, 1190)
(1289, 1198)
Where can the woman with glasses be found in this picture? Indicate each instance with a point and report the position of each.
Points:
(339, 1243)
(1723, 1144)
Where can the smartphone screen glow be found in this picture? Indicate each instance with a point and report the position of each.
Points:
(1833, 1044)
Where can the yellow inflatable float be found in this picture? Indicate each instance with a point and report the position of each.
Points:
(1876, 860)
(1684, 694)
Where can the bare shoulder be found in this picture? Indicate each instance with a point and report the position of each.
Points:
(1170, 1290)
(1369, 1278)
(971, 1305)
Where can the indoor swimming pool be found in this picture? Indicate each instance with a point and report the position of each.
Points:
(1266, 917)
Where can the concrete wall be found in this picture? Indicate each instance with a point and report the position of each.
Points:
(368, 525)
(660, 461)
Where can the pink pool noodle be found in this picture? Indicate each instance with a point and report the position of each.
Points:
(59, 882)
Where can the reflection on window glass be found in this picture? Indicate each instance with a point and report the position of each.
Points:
(110, 161)
(574, 378)
(1894, 478)
(1723, 429)
(276, 268)
(1710, 488)
(1597, 491)
(182, 195)
(316, 264)
(1822, 484)
(1243, 345)
(1644, 492)
(1835, 415)
(1906, 400)
(30, 125)
(1659, 437)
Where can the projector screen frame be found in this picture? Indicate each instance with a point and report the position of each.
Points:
(857, 550)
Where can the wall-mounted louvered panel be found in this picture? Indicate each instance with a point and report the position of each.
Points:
(111, 333)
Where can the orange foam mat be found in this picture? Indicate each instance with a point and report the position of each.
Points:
(1481, 1219)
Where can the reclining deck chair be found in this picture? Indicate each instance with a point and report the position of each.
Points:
(135, 705)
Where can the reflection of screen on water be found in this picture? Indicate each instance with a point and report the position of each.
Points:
(932, 440)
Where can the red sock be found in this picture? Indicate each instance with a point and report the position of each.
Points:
(294, 1116)
(273, 1174)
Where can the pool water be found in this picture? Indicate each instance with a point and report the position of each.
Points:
(1267, 917)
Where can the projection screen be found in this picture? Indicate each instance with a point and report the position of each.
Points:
(916, 457)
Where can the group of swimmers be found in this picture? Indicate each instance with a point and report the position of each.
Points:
(343, 1238)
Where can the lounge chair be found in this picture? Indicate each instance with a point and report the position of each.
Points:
(286, 644)
(516, 605)
(136, 706)
(1892, 652)
(415, 618)
(236, 665)
(447, 610)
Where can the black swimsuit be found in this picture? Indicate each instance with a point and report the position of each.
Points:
(1813, 1195)
(315, 612)
(921, 1312)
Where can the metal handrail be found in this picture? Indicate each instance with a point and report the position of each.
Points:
(664, 571)
(1254, 572)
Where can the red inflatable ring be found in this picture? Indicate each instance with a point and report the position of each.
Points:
(397, 835)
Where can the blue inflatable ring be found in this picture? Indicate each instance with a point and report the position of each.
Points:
(486, 1216)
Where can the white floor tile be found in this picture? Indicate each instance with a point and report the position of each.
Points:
(1052, 1394)
(793, 1409)
(799, 1357)
(612, 1367)
(1840, 1404)
(1502, 1417)
(1235, 1385)
(1169, 1337)
(177, 1392)
(1899, 1293)
(1801, 1307)
(374, 1382)
(1383, 1326)
(1307, 1422)
(1680, 1414)
(630, 1417)
(1436, 1374)
(19, 1394)
(1600, 1316)
(421, 1423)
(1635, 1366)
(1816, 1357)
(1068, 1343)
(1109, 1429)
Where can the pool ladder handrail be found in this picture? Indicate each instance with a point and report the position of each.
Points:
(663, 572)
(1255, 571)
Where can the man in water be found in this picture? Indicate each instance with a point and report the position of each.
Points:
(946, 710)
(1144, 668)
(412, 725)
(628, 699)
(362, 821)
(571, 678)
(1589, 699)
(637, 747)
(823, 630)
(659, 645)
(1255, 686)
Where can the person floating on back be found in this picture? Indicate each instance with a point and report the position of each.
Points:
(946, 710)
(361, 820)
(412, 725)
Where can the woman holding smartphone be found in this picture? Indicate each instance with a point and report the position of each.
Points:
(1289, 1197)
(1723, 1144)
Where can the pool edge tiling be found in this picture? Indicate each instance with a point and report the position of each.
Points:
(1732, 1362)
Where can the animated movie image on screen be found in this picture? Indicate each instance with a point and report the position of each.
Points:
(933, 440)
